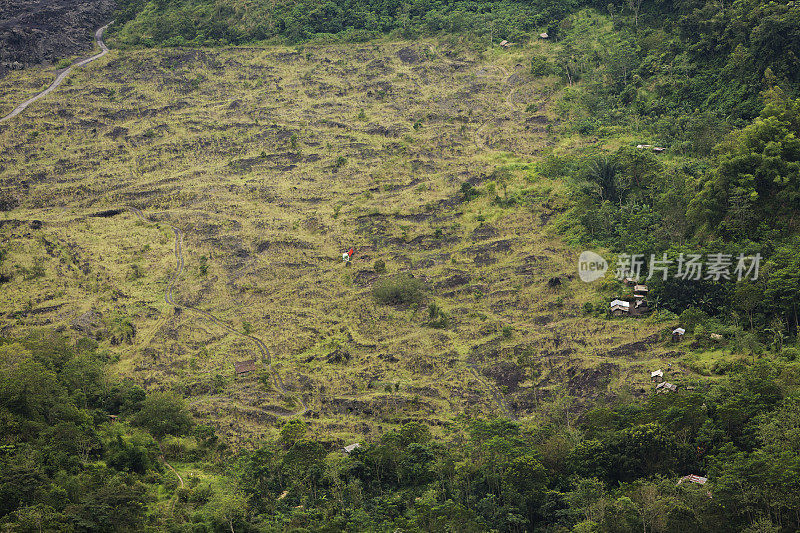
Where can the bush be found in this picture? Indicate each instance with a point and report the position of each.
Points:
(468, 192)
(164, 414)
(398, 290)
(540, 67)
(692, 317)
(791, 353)
(380, 266)
(181, 448)
(438, 318)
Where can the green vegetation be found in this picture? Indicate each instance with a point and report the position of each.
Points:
(488, 386)
(204, 22)
(68, 466)
(69, 459)
(402, 289)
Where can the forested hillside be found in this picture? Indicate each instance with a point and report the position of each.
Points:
(81, 452)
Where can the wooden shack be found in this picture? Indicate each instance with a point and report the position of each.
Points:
(620, 307)
(244, 367)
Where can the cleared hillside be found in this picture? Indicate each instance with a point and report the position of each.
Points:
(275, 161)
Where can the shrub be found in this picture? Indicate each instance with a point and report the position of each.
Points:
(380, 266)
(120, 328)
(540, 66)
(164, 414)
(181, 448)
(790, 353)
(438, 318)
(691, 317)
(401, 289)
(468, 192)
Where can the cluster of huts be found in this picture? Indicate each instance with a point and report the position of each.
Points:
(631, 306)
(505, 44)
(655, 149)
(657, 377)
(662, 385)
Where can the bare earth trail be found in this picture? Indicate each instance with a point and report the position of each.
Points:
(180, 479)
(480, 142)
(98, 36)
(170, 299)
(266, 356)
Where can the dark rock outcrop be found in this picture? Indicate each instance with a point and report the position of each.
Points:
(43, 31)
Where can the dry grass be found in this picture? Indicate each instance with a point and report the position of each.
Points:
(275, 161)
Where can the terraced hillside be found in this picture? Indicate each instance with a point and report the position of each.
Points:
(262, 166)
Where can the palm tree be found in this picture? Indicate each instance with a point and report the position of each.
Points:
(603, 171)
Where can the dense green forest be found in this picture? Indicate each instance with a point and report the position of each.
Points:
(69, 466)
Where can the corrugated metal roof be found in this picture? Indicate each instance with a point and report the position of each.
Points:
(694, 479)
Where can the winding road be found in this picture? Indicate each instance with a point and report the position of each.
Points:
(169, 297)
(98, 36)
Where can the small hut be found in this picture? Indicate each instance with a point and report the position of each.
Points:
(244, 367)
(692, 478)
(543, 35)
(677, 334)
(350, 447)
(657, 375)
(619, 307)
(665, 386)
(640, 291)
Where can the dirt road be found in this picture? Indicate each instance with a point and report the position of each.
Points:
(98, 36)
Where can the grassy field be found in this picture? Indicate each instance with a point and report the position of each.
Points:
(273, 162)
(19, 85)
